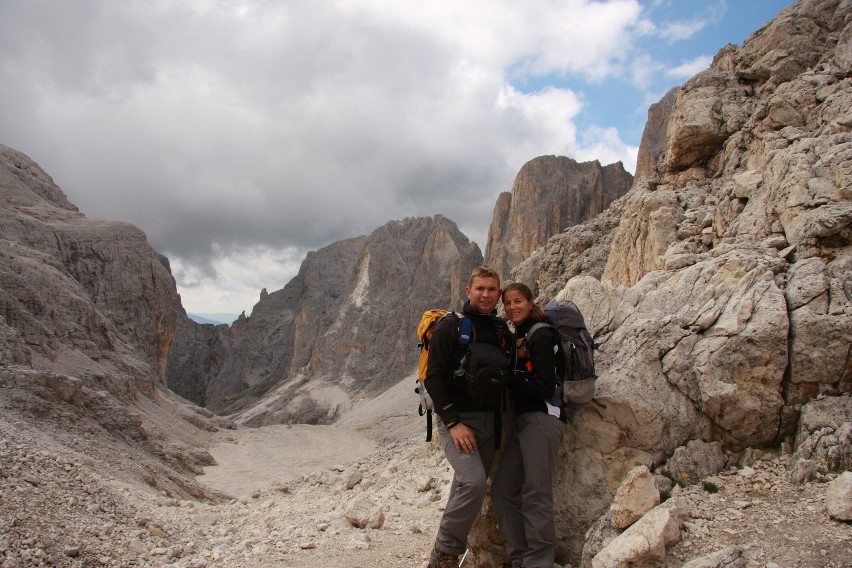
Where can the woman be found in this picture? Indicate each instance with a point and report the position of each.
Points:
(522, 491)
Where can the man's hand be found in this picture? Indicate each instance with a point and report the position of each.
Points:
(464, 439)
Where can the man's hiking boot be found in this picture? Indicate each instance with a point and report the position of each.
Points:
(444, 560)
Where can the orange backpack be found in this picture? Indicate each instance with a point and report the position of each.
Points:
(425, 328)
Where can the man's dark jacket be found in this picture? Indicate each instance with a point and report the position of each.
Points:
(447, 391)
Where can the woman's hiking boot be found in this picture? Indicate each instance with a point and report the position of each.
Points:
(443, 560)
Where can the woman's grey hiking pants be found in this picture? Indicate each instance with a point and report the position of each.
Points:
(522, 490)
(468, 488)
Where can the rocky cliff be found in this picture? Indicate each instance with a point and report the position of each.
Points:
(720, 285)
(550, 193)
(198, 353)
(79, 295)
(87, 316)
(341, 330)
(653, 142)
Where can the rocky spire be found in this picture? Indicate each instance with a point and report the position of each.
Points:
(550, 193)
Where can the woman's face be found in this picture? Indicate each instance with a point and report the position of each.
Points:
(517, 307)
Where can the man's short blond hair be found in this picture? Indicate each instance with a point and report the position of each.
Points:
(484, 272)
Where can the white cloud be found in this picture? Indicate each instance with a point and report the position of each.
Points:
(544, 120)
(606, 146)
(681, 30)
(540, 37)
(643, 71)
(674, 31)
(237, 273)
(689, 68)
(240, 133)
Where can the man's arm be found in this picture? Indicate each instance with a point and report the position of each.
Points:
(443, 353)
(439, 372)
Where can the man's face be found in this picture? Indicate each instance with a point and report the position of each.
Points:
(483, 294)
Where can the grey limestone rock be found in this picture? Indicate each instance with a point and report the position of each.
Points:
(80, 296)
(693, 462)
(838, 498)
(730, 557)
(550, 193)
(341, 330)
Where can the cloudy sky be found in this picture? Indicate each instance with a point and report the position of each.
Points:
(240, 134)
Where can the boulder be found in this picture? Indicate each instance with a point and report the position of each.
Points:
(838, 498)
(636, 495)
(362, 512)
(691, 463)
(644, 543)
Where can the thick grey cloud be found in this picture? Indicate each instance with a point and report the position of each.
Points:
(238, 134)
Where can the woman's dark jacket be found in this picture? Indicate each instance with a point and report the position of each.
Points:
(534, 380)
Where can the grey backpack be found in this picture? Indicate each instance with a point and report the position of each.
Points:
(576, 368)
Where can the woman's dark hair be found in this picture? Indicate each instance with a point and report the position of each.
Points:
(536, 313)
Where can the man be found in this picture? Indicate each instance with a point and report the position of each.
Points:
(467, 426)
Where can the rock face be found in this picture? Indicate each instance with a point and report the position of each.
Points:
(79, 296)
(550, 193)
(339, 331)
(653, 142)
(198, 353)
(824, 439)
(720, 285)
(88, 315)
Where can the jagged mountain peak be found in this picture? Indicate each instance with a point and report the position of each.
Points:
(339, 331)
(549, 194)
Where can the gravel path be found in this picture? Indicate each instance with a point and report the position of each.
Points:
(75, 491)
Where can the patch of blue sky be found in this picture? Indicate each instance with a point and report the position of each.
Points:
(674, 40)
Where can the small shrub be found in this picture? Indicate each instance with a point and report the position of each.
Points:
(711, 487)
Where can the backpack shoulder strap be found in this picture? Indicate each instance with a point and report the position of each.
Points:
(465, 329)
(537, 326)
